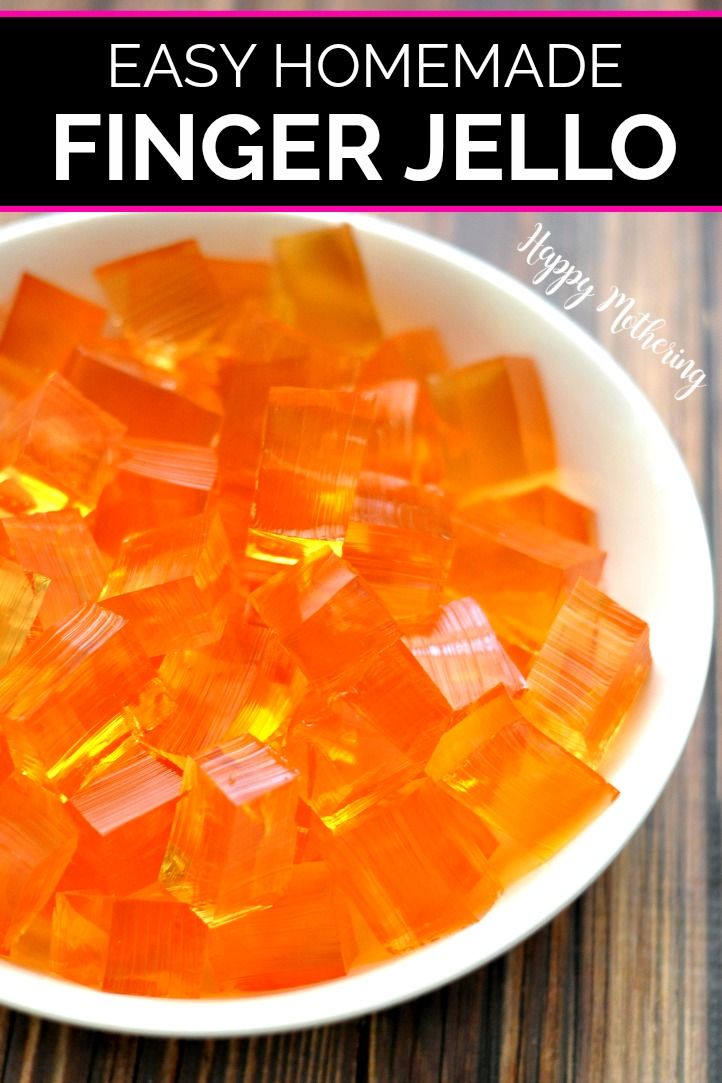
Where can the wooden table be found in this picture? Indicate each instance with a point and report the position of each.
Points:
(626, 986)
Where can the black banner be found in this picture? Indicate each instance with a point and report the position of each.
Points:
(360, 111)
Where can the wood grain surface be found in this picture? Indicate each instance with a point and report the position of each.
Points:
(626, 985)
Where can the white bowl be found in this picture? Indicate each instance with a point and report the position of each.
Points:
(618, 457)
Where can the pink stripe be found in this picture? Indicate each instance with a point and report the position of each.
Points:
(433, 210)
(499, 14)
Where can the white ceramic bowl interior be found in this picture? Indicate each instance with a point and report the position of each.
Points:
(617, 456)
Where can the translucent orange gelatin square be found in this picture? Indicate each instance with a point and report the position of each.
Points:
(542, 505)
(167, 300)
(313, 446)
(270, 355)
(399, 698)
(409, 354)
(495, 423)
(165, 581)
(142, 946)
(59, 438)
(295, 357)
(344, 763)
(157, 483)
(461, 653)
(60, 697)
(301, 939)
(37, 840)
(520, 573)
(58, 546)
(404, 438)
(242, 280)
(322, 274)
(195, 548)
(234, 834)
(416, 868)
(588, 672)
(244, 684)
(326, 616)
(42, 327)
(156, 948)
(472, 725)
(32, 950)
(399, 539)
(146, 408)
(124, 811)
(80, 934)
(524, 784)
(168, 616)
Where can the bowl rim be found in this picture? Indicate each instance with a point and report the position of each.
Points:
(406, 977)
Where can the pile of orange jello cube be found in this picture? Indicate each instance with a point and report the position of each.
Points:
(303, 653)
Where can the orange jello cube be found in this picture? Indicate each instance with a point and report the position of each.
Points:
(80, 933)
(344, 763)
(416, 867)
(462, 655)
(158, 482)
(166, 581)
(234, 834)
(156, 948)
(296, 358)
(32, 950)
(270, 355)
(414, 353)
(167, 300)
(242, 280)
(21, 596)
(302, 938)
(43, 325)
(60, 697)
(520, 573)
(241, 438)
(148, 945)
(146, 408)
(543, 505)
(399, 698)
(399, 538)
(404, 437)
(124, 811)
(495, 423)
(326, 616)
(518, 780)
(588, 672)
(37, 840)
(243, 684)
(322, 273)
(477, 722)
(167, 615)
(195, 548)
(313, 445)
(60, 443)
(59, 546)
